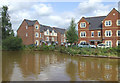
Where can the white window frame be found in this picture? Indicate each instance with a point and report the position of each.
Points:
(36, 27)
(64, 40)
(83, 32)
(108, 42)
(98, 33)
(52, 38)
(106, 33)
(26, 34)
(108, 23)
(64, 35)
(91, 33)
(37, 42)
(117, 42)
(37, 34)
(81, 25)
(47, 38)
(40, 35)
(117, 33)
(117, 22)
(26, 27)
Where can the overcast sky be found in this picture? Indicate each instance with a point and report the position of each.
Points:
(56, 14)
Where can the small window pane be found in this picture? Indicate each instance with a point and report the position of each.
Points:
(118, 33)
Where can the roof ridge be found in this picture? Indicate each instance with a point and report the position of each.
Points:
(95, 17)
(29, 20)
(58, 28)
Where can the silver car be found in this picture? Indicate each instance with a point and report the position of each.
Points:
(84, 45)
(102, 45)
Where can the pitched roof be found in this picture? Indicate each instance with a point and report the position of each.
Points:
(62, 31)
(30, 22)
(44, 28)
(95, 22)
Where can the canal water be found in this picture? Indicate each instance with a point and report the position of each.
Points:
(54, 66)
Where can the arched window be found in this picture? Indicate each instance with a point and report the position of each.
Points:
(36, 34)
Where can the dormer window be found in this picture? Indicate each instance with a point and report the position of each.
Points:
(82, 24)
(36, 27)
(108, 23)
(118, 22)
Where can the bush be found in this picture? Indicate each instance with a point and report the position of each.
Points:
(12, 43)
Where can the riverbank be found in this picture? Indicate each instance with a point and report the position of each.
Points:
(83, 52)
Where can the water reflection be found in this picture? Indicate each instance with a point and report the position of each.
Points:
(40, 66)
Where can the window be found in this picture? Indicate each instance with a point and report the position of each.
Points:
(92, 34)
(26, 34)
(83, 34)
(82, 24)
(118, 22)
(52, 38)
(47, 32)
(64, 40)
(108, 33)
(99, 33)
(52, 33)
(64, 35)
(37, 42)
(118, 43)
(37, 27)
(118, 33)
(108, 23)
(36, 34)
(47, 38)
(26, 27)
(40, 35)
(108, 43)
(61, 40)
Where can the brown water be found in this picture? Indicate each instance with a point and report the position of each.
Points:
(54, 66)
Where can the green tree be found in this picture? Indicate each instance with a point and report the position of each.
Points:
(12, 43)
(6, 24)
(71, 35)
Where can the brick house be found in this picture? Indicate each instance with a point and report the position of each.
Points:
(101, 29)
(32, 32)
(61, 35)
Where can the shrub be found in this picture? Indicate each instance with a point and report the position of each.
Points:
(12, 43)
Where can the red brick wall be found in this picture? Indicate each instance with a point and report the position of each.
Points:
(86, 29)
(21, 32)
(38, 31)
(113, 28)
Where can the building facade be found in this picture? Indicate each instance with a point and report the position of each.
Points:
(31, 32)
(102, 29)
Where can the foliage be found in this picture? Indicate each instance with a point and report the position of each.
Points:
(12, 43)
(6, 24)
(71, 35)
(92, 51)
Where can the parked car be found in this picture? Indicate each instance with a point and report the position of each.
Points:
(102, 45)
(83, 45)
(87, 45)
(93, 46)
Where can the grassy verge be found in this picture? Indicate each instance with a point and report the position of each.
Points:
(108, 52)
